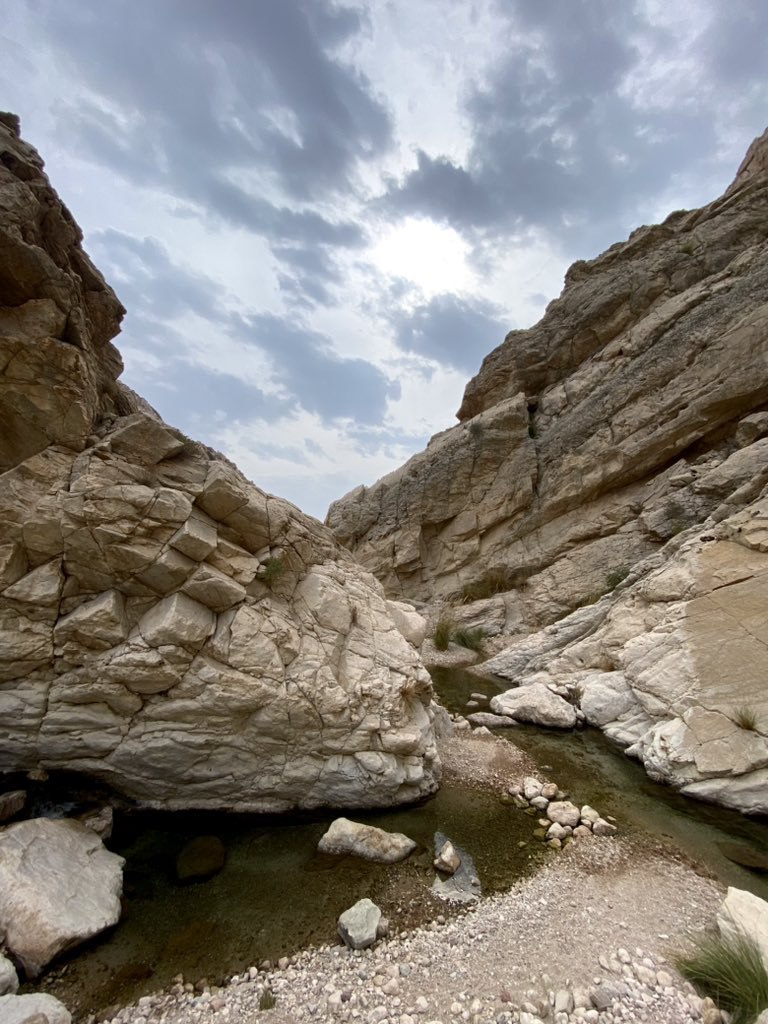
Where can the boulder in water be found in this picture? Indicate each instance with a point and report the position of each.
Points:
(201, 858)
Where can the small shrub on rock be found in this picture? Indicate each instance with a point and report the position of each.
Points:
(746, 718)
(272, 570)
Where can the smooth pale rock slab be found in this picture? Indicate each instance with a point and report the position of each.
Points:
(358, 926)
(367, 841)
(742, 914)
(491, 721)
(537, 704)
(412, 625)
(33, 1008)
(58, 887)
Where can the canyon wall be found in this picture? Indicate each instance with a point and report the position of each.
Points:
(166, 626)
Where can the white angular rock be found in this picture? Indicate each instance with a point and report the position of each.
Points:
(33, 1008)
(358, 926)
(351, 837)
(537, 704)
(412, 625)
(744, 914)
(58, 887)
(447, 860)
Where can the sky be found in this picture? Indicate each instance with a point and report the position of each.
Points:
(321, 216)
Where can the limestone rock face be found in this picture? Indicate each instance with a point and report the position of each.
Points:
(630, 412)
(166, 626)
(674, 666)
(58, 887)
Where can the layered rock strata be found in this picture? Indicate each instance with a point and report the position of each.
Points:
(166, 626)
(588, 441)
(673, 666)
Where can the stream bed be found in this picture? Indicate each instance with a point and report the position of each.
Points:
(276, 894)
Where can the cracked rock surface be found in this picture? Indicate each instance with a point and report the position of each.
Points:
(166, 626)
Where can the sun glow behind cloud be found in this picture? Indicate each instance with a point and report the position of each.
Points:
(429, 255)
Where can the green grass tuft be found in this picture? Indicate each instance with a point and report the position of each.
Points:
(731, 971)
(443, 631)
(471, 638)
(613, 579)
(267, 1000)
(746, 718)
(273, 569)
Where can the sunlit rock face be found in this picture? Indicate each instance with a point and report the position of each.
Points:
(588, 441)
(166, 626)
(606, 493)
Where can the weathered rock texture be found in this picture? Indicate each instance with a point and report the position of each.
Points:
(165, 625)
(589, 440)
(618, 447)
(674, 665)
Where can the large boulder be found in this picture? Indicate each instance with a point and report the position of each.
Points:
(166, 626)
(367, 841)
(58, 887)
(744, 915)
(537, 704)
(33, 1008)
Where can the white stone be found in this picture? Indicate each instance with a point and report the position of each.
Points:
(33, 1008)
(367, 841)
(744, 914)
(537, 704)
(358, 925)
(58, 887)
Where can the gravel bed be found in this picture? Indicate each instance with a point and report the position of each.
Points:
(586, 939)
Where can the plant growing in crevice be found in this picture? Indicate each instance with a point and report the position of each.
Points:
(271, 570)
(476, 430)
(613, 579)
(446, 632)
(731, 971)
(745, 717)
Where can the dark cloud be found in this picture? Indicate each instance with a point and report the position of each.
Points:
(561, 142)
(454, 331)
(157, 291)
(148, 282)
(324, 383)
(243, 108)
(198, 400)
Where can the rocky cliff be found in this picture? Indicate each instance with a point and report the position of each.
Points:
(165, 626)
(588, 441)
(604, 500)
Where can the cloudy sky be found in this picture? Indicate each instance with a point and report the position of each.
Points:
(322, 215)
